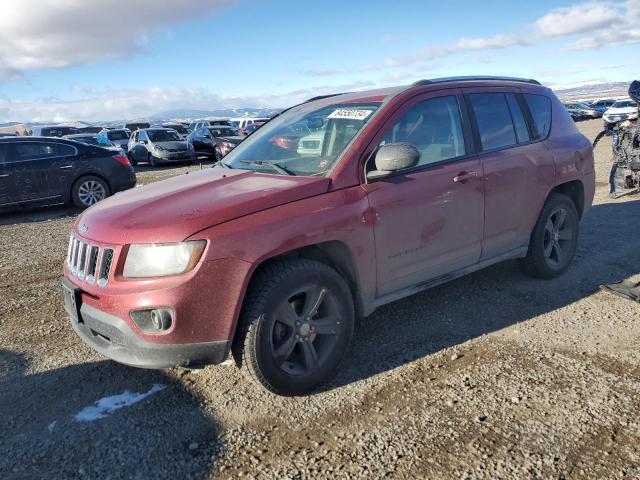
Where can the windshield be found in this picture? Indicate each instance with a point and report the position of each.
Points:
(303, 141)
(178, 128)
(224, 132)
(163, 135)
(624, 104)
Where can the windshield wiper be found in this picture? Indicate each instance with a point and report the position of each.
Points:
(278, 168)
(221, 163)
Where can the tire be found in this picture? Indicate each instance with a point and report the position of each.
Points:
(553, 241)
(278, 342)
(89, 190)
(132, 160)
(151, 159)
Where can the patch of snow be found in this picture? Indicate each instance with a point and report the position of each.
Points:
(107, 405)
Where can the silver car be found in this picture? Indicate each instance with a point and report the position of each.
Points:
(157, 146)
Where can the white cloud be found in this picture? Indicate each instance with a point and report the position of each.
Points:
(591, 24)
(578, 18)
(41, 34)
(128, 104)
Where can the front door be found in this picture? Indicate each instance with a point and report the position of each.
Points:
(428, 219)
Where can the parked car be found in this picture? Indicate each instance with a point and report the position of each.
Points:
(183, 130)
(249, 129)
(117, 136)
(243, 122)
(53, 131)
(158, 145)
(311, 144)
(215, 141)
(620, 111)
(44, 171)
(91, 139)
(602, 105)
(581, 111)
(133, 126)
(193, 126)
(90, 129)
(272, 255)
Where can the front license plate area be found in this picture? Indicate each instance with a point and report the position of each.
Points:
(72, 301)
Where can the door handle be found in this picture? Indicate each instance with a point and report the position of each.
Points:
(463, 177)
(4, 175)
(65, 167)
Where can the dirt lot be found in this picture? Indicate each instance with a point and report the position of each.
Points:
(495, 375)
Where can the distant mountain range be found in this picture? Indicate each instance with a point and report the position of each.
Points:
(584, 91)
(160, 117)
(592, 90)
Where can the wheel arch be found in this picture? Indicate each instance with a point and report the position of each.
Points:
(335, 254)
(573, 189)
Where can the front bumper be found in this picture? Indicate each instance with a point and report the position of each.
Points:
(167, 157)
(111, 336)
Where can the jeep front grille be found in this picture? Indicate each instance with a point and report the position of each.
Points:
(88, 262)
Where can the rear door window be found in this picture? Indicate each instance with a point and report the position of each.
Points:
(493, 119)
(540, 108)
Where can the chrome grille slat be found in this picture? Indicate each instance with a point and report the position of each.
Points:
(89, 263)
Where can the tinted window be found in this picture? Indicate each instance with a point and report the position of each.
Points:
(518, 118)
(223, 132)
(3, 148)
(63, 150)
(117, 135)
(434, 127)
(494, 120)
(163, 135)
(34, 150)
(540, 108)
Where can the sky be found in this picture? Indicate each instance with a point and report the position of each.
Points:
(63, 60)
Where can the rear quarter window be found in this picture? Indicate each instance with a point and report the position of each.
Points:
(540, 108)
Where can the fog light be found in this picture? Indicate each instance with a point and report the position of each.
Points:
(161, 319)
(153, 321)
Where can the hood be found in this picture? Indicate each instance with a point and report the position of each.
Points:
(618, 111)
(174, 209)
(234, 140)
(172, 145)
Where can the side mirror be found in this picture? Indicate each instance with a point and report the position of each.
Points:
(393, 157)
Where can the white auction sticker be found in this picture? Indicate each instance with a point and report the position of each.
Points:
(350, 114)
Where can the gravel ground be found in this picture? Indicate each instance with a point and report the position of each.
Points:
(494, 375)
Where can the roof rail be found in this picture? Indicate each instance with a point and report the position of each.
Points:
(473, 78)
(320, 97)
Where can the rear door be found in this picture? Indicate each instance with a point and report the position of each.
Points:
(8, 194)
(518, 169)
(34, 171)
(428, 219)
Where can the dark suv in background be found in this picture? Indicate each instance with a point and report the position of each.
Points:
(45, 171)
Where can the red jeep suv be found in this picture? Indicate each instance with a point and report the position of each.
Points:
(274, 252)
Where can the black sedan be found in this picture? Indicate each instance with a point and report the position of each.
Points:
(38, 171)
(215, 141)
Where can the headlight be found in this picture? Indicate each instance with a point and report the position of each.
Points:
(161, 259)
(228, 145)
(158, 148)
